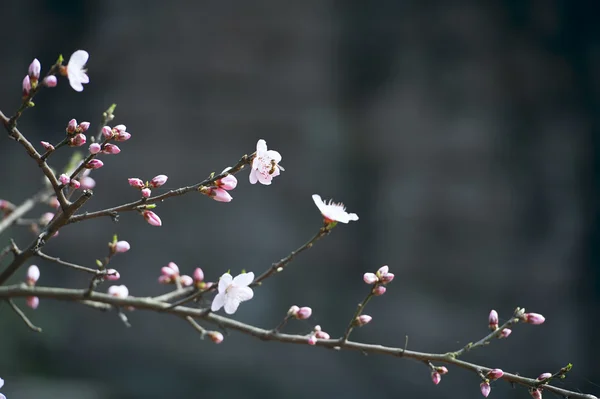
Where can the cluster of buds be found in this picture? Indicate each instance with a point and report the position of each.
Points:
(493, 325)
(33, 275)
(76, 132)
(300, 313)
(170, 275)
(30, 81)
(437, 373)
(316, 334)
(146, 188)
(380, 279)
(219, 191)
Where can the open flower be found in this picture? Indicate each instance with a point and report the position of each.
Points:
(333, 212)
(265, 165)
(75, 72)
(1, 385)
(232, 292)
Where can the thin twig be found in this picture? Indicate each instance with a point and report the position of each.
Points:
(68, 264)
(23, 317)
(196, 326)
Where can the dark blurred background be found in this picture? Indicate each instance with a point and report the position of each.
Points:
(465, 134)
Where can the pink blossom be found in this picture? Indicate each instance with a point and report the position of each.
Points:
(536, 393)
(111, 149)
(71, 126)
(493, 320)
(362, 320)
(494, 374)
(379, 290)
(152, 218)
(146, 192)
(75, 70)
(265, 165)
(186, 280)
(33, 275)
(50, 81)
(533, 318)
(303, 313)
(218, 194)
(75, 184)
(64, 179)
(112, 275)
(312, 339)
(33, 302)
(229, 182)
(119, 291)
(333, 212)
(94, 164)
(121, 134)
(26, 86)
(293, 311)
(505, 333)
(370, 278)
(173, 265)
(34, 70)
(215, 337)
(384, 275)
(47, 146)
(322, 335)
(121, 247)
(158, 181)
(107, 132)
(83, 127)
(485, 388)
(135, 182)
(95, 148)
(442, 370)
(198, 275)
(436, 377)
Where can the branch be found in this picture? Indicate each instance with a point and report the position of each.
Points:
(105, 301)
(25, 207)
(23, 317)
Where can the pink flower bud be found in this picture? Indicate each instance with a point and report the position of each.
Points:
(173, 266)
(505, 333)
(111, 149)
(536, 393)
(383, 270)
(312, 339)
(303, 313)
(119, 291)
(78, 140)
(370, 278)
(46, 218)
(112, 275)
(218, 194)
(436, 377)
(322, 335)
(33, 275)
(164, 280)
(198, 275)
(87, 183)
(123, 136)
(121, 247)
(152, 218)
(494, 374)
(442, 370)
(34, 70)
(120, 128)
(379, 290)
(26, 86)
(493, 320)
(94, 164)
(53, 202)
(146, 192)
(485, 388)
(107, 132)
(533, 318)
(47, 146)
(544, 376)
(362, 320)
(50, 81)
(293, 311)
(168, 273)
(71, 126)
(215, 337)
(135, 182)
(83, 127)
(33, 302)
(229, 182)
(64, 179)
(387, 278)
(75, 184)
(158, 181)
(186, 280)
(95, 148)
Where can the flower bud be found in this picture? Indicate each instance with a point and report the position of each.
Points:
(71, 126)
(362, 320)
(383, 270)
(46, 218)
(229, 182)
(442, 370)
(95, 148)
(533, 318)
(107, 132)
(121, 247)
(75, 184)
(53, 202)
(146, 192)
(370, 278)
(436, 377)
(47, 146)
(544, 376)
(83, 127)
(33, 275)
(379, 290)
(50, 81)
(220, 195)
(26, 86)
(312, 339)
(485, 388)
(111, 149)
(505, 333)
(78, 140)
(186, 280)
(173, 266)
(387, 278)
(536, 393)
(293, 311)
(303, 313)
(494, 374)
(198, 275)
(94, 164)
(215, 337)
(119, 291)
(322, 335)
(112, 275)
(34, 70)
(135, 182)
(493, 320)
(152, 218)
(33, 302)
(158, 181)
(64, 179)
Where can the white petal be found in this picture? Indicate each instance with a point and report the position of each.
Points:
(353, 216)
(76, 84)
(244, 294)
(224, 282)
(231, 305)
(264, 178)
(2, 396)
(274, 155)
(218, 302)
(253, 178)
(319, 202)
(244, 279)
(1, 382)
(261, 147)
(78, 59)
(84, 78)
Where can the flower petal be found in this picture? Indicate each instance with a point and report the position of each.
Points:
(78, 59)
(318, 202)
(261, 147)
(224, 282)
(274, 155)
(218, 302)
(244, 294)
(76, 84)
(264, 178)
(244, 279)
(231, 305)
(253, 178)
